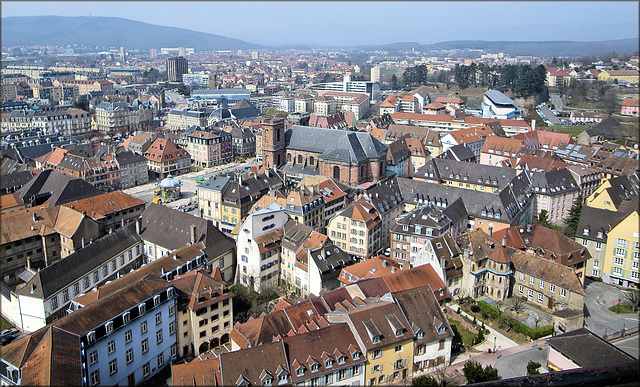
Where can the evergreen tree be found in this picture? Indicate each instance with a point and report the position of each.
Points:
(571, 222)
(425, 381)
(490, 374)
(394, 82)
(473, 371)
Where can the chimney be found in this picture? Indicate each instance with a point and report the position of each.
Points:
(193, 233)
(504, 241)
(82, 242)
(528, 228)
(35, 218)
(384, 263)
(28, 262)
(533, 125)
(138, 225)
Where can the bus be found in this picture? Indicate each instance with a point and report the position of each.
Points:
(199, 179)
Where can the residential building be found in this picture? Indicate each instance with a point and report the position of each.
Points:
(588, 179)
(165, 158)
(335, 196)
(215, 96)
(585, 116)
(84, 87)
(303, 103)
(133, 169)
(263, 365)
(387, 199)
(555, 193)
(444, 256)
(227, 200)
(122, 117)
(325, 106)
(558, 76)
(622, 252)
(209, 148)
(398, 158)
(111, 210)
(374, 267)
(201, 79)
(546, 283)
(486, 267)
(630, 107)
(497, 149)
(447, 123)
(548, 244)
(163, 230)
(473, 138)
(631, 76)
(47, 294)
(258, 246)
(244, 142)
(50, 187)
(357, 103)
(399, 103)
(303, 204)
(139, 143)
(185, 118)
(478, 177)
(357, 229)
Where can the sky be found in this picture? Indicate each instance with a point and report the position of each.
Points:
(338, 23)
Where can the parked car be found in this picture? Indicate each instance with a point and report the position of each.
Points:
(9, 338)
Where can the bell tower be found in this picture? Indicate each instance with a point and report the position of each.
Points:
(273, 146)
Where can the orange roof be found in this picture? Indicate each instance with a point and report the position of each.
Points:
(434, 106)
(10, 200)
(370, 268)
(99, 206)
(633, 102)
(446, 100)
(417, 277)
(163, 150)
(197, 373)
(506, 146)
(473, 134)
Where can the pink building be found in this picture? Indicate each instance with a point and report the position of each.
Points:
(630, 107)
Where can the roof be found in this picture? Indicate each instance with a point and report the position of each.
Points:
(363, 211)
(249, 364)
(74, 267)
(164, 151)
(374, 267)
(61, 187)
(504, 146)
(417, 277)
(498, 98)
(549, 271)
(198, 372)
(586, 349)
(346, 146)
(424, 313)
(97, 207)
(171, 229)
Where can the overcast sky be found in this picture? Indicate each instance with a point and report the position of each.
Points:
(337, 23)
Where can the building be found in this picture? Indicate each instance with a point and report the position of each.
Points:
(478, 177)
(185, 118)
(473, 138)
(546, 283)
(215, 96)
(209, 148)
(133, 169)
(357, 229)
(164, 158)
(387, 199)
(226, 201)
(303, 204)
(244, 142)
(164, 230)
(630, 107)
(497, 105)
(555, 192)
(111, 210)
(47, 295)
(201, 80)
(122, 117)
(84, 87)
(400, 103)
(444, 256)
(258, 246)
(588, 179)
(486, 267)
(586, 117)
(497, 149)
(176, 67)
(353, 158)
(140, 142)
(50, 187)
(631, 76)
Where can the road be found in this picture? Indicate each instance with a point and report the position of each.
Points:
(598, 299)
(189, 185)
(557, 102)
(630, 345)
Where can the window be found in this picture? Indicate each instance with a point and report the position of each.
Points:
(93, 357)
(598, 246)
(520, 289)
(54, 302)
(541, 284)
(95, 277)
(145, 369)
(145, 346)
(376, 353)
(617, 270)
(621, 243)
(398, 348)
(552, 288)
(540, 297)
(76, 289)
(95, 377)
(127, 336)
(111, 347)
(143, 327)
(158, 318)
(172, 327)
(172, 310)
(521, 276)
(530, 293)
(160, 360)
(620, 252)
(113, 366)
(65, 295)
(129, 355)
(618, 261)
(441, 345)
(159, 337)
(532, 280)
(563, 292)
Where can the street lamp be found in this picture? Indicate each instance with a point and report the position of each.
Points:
(494, 343)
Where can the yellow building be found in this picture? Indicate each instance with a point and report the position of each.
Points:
(622, 253)
(357, 229)
(604, 197)
(631, 76)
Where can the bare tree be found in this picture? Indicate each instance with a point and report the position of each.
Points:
(633, 296)
(441, 374)
(518, 303)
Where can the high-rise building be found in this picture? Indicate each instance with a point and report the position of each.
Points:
(182, 51)
(177, 66)
(153, 53)
(254, 55)
(123, 54)
(375, 74)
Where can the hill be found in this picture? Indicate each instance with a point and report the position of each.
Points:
(109, 32)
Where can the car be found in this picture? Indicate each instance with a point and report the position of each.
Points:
(9, 338)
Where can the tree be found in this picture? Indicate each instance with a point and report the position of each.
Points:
(518, 303)
(543, 218)
(633, 296)
(81, 103)
(490, 374)
(473, 371)
(610, 102)
(571, 222)
(425, 381)
(394, 82)
(533, 368)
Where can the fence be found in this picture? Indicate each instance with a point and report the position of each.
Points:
(624, 332)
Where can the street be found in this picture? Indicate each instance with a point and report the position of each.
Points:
(598, 318)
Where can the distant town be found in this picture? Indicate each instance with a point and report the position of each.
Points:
(316, 217)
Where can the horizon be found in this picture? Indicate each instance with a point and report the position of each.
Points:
(524, 21)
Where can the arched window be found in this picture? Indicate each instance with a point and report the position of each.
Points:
(278, 134)
(299, 159)
(336, 172)
(311, 160)
(288, 157)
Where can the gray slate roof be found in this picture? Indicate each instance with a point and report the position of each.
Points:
(555, 182)
(59, 187)
(499, 98)
(335, 145)
(67, 271)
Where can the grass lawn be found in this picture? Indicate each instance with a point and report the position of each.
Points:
(623, 309)
(467, 336)
(572, 130)
(4, 324)
(272, 112)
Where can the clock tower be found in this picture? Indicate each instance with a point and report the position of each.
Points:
(273, 146)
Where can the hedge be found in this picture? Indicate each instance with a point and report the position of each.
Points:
(514, 324)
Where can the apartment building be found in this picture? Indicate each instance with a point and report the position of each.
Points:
(496, 149)
(303, 204)
(84, 87)
(111, 210)
(67, 121)
(325, 106)
(186, 118)
(400, 103)
(555, 192)
(357, 229)
(446, 123)
(209, 148)
(478, 177)
(165, 158)
(122, 117)
(473, 138)
(133, 169)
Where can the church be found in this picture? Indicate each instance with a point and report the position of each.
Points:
(350, 157)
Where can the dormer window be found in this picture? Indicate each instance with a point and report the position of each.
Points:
(328, 363)
(342, 359)
(169, 292)
(399, 331)
(356, 355)
(375, 339)
(300, 371)
(600, 234)
(405, 227)
(91, 337)
(420, 335)
(142, 308)
(156, 300)
(109, 327)
(315, 367)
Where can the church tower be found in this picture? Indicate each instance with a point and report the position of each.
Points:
(273, 147)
